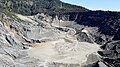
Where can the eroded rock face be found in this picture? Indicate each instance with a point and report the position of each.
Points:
(6, 61)
(11, 48)
(47, 41)
(42, 43)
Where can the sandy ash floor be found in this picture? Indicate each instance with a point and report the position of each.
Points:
(63, 52)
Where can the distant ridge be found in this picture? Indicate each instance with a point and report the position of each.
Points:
(32, 7)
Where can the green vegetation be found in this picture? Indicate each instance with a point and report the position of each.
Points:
(31, 7)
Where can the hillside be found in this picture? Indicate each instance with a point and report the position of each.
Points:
(32, 7)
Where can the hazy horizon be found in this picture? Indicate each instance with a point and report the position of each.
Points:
(106, 5)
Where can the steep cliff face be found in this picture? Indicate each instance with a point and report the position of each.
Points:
(108, 22)
(32, 7)
(106, 31)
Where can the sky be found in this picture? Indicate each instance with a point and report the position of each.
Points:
(106, 5)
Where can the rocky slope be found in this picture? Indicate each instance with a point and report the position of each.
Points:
(40, 40)
(61, 35)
